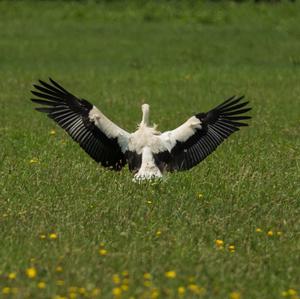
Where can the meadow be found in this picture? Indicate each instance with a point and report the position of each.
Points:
(228, 228)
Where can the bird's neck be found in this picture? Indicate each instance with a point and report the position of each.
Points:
(146, 112)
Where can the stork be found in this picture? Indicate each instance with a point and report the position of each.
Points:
(148, 152)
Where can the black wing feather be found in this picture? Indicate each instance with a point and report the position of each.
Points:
(72, 114)
(217, 125)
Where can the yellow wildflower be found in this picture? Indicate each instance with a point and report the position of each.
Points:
(59, 269)
(60, 282)
(102, 251)
(181, 291)
(231, 248)
(12, 275)
(82, 291)
(149, 202)
(5, 290)
(235, 295)
(292, 292)
(219, 243)
(52, 132)
(42, 236)
(200, 195)
(147, 283)
(147, 276)
(270, 233)
(34, 160)
(124, 287)
(125, 273)
(117, 292)
(53, 236)
(158, 233)
(258, 230)
(125, 281)
(116, 279)
(170, 274)
(41, 285)
(31, 272)
(154, 293)
(73, 289)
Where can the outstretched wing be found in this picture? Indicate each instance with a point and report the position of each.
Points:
(104, 141)
(200, 135)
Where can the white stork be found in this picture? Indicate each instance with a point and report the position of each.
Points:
(148, 152)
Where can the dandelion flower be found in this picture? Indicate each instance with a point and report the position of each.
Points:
(102, 251)
(82, 291)
(292, 292)
(117, 292)
(41, 285)
(231, 248)
(73, 289)
(219, 244)
(258, 230)
(154, 293)
(34, 160)
(5, 290)
(147, 276)
(124, 287)
(235, 295)
(158, 233)
(125, 273)
(181, 291)
(53, 236)
(116, 279)
(125, 281)
(147, 283)
(31, 272)
(270, 233)
(60, 282)
(12, 275)
(170, 274)
(149, 202)
(200, 195)
(52, 132)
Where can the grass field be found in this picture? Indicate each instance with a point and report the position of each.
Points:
(70, 229)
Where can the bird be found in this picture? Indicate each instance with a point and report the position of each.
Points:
(149, 153)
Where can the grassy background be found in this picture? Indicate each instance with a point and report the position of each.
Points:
(181, 59)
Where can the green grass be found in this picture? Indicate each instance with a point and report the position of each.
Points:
(181, 59)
